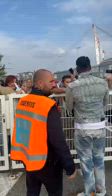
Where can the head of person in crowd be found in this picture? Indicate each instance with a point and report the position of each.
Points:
(29, 84)
(71, 71)
(24, 87)
(73, 74)
(108, 77)
(66, 79)
(11, 81)
(83, 64)
(44, 81)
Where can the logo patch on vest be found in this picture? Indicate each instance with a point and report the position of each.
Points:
(23, 128)
(28, 103)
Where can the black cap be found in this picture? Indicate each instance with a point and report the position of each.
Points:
(83, 61)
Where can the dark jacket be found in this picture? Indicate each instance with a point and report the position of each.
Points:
(58, 151)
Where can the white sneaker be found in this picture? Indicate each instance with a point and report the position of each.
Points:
(81, 194)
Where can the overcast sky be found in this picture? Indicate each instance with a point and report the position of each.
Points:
(51, 34)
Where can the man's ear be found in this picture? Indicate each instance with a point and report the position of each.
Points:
(40, 84)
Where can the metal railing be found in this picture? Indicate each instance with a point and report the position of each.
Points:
(7, 111)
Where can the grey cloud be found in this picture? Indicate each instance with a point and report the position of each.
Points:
(28, 55)
(19, 54)
(83, 6)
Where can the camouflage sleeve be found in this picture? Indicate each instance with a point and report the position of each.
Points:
(106, 97)
(69, 99)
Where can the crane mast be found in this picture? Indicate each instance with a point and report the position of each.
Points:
(97, 45)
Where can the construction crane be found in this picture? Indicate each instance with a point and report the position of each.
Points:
(97, 45)
(100, 53)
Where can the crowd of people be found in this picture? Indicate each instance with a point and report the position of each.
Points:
(11, 85)
(38, 139)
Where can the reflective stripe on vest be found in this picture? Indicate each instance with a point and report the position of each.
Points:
(29, 157)
(32, 115)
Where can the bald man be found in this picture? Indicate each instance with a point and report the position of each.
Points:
(58, 156)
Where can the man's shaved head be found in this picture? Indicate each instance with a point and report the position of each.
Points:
(39, 75)
(44, 80)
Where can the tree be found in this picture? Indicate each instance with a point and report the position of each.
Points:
(2, 68)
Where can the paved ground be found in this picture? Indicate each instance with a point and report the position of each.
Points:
(70, 187)
(7, 181)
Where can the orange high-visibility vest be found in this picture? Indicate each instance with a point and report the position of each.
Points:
(29, 139)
